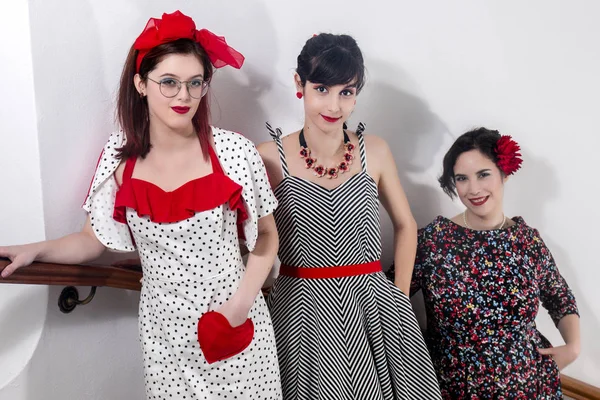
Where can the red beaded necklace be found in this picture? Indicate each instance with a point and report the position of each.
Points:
(318, 169)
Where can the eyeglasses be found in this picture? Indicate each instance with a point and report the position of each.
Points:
(170, 87)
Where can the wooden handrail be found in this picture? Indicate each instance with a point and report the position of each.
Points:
(579, 390)
(120, 277)
(123, 277)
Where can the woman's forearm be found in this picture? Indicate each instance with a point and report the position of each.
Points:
(405, 245)
(260, 262)
(568, 327)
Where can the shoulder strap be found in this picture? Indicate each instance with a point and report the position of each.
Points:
(361, 144)
(128, 171)
(276, 135)
(214, 161)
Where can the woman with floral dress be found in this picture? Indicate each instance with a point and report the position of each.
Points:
(483, 276)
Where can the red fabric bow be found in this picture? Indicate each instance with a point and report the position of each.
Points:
(509, 158)
(179, 26)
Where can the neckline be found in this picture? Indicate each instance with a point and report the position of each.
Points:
(179, 188)
(215, 167)
(362, 172)
(517, 220)
(302, 140)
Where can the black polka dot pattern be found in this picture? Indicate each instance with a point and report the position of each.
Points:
(100, 200)
(242, 163)
(191, 267)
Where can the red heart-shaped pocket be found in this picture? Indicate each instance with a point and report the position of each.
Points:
(219, 340)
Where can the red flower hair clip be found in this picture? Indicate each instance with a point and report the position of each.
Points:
(176, 26)
(509, 157)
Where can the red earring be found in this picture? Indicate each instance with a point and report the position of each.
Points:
(299, 95)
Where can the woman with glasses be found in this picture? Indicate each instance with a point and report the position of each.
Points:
(182, 192)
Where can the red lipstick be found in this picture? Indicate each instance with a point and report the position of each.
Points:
(180, 110)
(479, 201)
(330, 119)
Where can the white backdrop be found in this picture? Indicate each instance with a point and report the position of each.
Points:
(435, 69)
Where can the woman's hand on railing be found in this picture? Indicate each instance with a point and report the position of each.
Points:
(20, 256)
(76, 248)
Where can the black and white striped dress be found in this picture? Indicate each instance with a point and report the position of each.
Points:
(344, 338)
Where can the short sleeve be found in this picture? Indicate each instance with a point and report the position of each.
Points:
(265, 201)
(100, 201)
(555, 294)
(242, 163)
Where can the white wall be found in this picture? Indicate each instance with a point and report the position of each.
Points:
(435, 68)
(92, 353)
(22, 308)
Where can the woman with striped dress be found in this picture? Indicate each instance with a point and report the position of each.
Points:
(343, 331)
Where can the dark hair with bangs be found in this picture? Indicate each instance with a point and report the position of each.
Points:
(481, 139)
(132, 109)
(331, 60)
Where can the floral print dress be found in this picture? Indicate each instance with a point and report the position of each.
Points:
(482, 291)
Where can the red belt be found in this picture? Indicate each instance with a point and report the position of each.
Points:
(330, 272)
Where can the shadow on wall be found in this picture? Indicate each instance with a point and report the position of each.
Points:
(414, 134)
(536, 183)
(236, 95)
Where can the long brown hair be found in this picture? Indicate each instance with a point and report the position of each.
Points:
(132, 109)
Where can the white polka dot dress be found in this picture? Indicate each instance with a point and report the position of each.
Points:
(190, 267)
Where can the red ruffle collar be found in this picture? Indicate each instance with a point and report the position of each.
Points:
(197, 195)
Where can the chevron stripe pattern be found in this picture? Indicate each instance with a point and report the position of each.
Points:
(349, 338)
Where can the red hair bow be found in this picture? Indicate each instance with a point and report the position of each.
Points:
(509, 158)
(179, 26)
